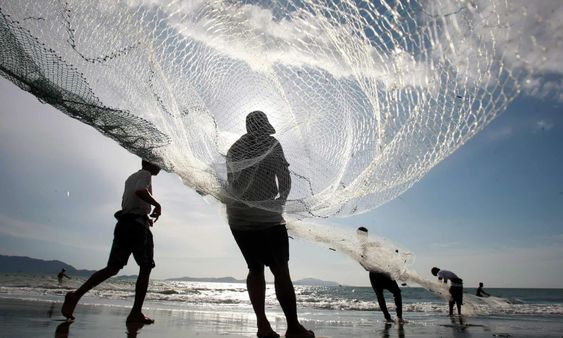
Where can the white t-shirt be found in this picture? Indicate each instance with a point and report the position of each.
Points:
(452, 277)
(131, 203)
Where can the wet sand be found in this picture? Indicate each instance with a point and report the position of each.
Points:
(26, 318)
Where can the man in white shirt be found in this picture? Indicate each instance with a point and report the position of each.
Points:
(132, 235)
(456, 288)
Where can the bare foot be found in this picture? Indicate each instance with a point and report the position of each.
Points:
(139, 318)
(265, 329)
(299, 332)
(69, 304)
(134, 328)
(267, 334)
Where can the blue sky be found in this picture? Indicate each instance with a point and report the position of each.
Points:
(491, 212)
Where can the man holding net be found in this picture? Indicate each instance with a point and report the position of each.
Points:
(456, 288)
(254, 210)
(379, 279)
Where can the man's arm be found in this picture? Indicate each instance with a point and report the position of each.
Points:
(284, 181)
(146, 196)
(282, 174)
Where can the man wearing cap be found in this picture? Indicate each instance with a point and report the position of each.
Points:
(255, 162)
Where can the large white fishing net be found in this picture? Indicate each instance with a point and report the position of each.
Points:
(365, 96)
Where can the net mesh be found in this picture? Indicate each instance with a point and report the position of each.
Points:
(361, 98)
(365, 96)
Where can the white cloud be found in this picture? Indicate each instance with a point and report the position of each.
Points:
(545, 87)
(528, 35)
(499, 133)
(543, 125)
(250, 33)
(514, 44)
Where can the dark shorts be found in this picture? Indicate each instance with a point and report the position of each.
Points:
(130, 237)
(457, 294)
(382, 281)
(268, 247)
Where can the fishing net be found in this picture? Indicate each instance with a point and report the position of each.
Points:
(365, 96)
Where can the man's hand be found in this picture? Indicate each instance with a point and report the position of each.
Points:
(146, 196)
(157, 211)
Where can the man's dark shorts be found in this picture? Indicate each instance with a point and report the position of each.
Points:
(383, 281)
(131, 237)
(457, 293)
(268, 246)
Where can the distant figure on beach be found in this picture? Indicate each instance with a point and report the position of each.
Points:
(380, 280)
(131, 235)
(480, 292)
(254, 163)
(456, 288)
(62, 275)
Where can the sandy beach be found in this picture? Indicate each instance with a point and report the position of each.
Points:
(27, 318)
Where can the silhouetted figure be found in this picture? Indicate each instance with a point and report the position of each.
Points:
(456, 288)
(131, 236)
(380, 280)
(254, 163)
(480, 292)
(62, 275)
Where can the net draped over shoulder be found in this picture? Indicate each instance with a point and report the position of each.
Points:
(256, 165)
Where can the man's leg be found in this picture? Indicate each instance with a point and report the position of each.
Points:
(456, 293)
(72, 298)
(143, 252)
(382, 304)
(256, 286)
(460, 301)
(380, 297)
(451, 306)
(285, 293)
(136, 314)
(396, 291)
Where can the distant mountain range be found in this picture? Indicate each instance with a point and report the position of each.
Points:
(19, 264)
(314, 281)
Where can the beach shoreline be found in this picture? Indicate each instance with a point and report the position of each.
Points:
(42, 318)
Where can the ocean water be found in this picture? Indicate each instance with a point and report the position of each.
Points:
(525, 312)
